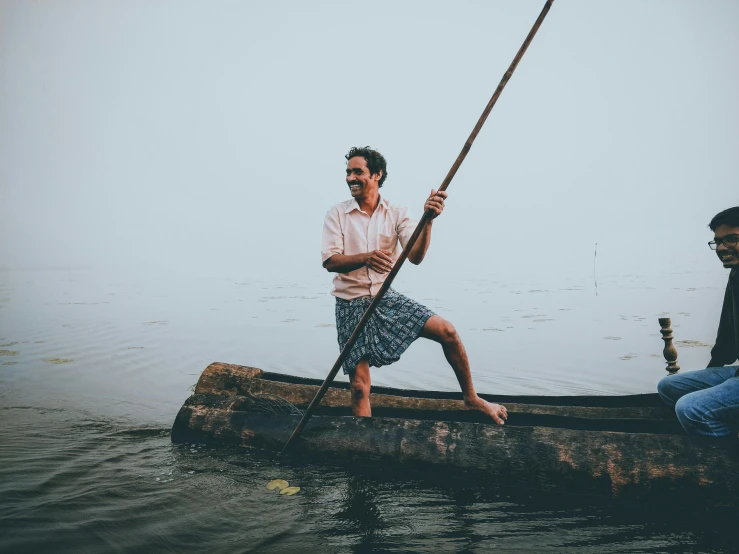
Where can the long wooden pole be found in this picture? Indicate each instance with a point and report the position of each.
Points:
(419, 228)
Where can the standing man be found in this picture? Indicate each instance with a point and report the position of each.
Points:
(707, 401)
(360, 245)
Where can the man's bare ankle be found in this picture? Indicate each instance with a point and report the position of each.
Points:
(473, 400)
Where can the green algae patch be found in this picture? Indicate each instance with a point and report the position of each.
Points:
(58, 360)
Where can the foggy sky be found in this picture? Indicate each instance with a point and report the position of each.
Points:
(212, 134)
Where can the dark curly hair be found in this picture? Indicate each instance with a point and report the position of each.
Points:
(375, 160)
(728, 217)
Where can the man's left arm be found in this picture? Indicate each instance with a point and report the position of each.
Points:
(435, 203)
(724, 350)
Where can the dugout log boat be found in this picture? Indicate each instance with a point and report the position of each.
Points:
(625, 446)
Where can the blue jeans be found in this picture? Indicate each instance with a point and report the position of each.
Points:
(706, 401)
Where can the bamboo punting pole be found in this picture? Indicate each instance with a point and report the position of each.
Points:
(419, 228)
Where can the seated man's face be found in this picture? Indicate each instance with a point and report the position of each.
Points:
(727, 253)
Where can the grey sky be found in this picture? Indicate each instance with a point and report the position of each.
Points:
(212, 134)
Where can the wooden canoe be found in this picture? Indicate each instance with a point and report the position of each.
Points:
(609, 445)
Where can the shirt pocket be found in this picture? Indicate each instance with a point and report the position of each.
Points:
(387, 242)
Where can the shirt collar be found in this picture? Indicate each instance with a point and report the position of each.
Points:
(354, 205)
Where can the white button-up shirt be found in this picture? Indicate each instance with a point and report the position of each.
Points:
(348, 230)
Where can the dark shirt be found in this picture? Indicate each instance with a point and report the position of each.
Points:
(726, 349)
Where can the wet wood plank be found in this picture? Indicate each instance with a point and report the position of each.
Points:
(234, 380)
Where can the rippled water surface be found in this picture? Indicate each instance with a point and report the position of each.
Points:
(95, 365)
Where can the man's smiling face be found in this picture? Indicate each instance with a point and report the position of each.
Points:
(728, 253)
(360, 181)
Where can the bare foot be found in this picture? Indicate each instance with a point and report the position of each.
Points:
(495, 411)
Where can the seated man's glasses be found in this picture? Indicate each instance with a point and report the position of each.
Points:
(729, 240)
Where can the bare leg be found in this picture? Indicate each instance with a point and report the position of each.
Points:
(359, 385)
(440, 330)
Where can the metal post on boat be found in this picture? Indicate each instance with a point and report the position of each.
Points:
(669, 351)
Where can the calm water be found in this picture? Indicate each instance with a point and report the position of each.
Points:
(95, 365)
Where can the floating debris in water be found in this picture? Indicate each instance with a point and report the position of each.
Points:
(691, 343)
(612, 338)
(58, 360)
(289, 491)
(9, 363)
(9, 352)
(627, 357)
(278, 484)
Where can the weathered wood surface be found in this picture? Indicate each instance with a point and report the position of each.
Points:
(581, 461)
(234, 380)
(633, 450)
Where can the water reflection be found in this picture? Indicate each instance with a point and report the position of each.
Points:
(387, 509)
(359, 513)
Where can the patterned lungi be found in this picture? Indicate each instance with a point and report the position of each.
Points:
(395, 324)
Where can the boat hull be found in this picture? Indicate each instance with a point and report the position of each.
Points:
(664, 465)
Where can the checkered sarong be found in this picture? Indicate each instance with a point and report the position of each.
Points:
(395, 324)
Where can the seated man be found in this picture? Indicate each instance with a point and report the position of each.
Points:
(707, 401)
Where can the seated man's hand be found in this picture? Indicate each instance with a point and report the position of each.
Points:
(379, 261)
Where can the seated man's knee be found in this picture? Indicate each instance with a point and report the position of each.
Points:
(695, 418)
(666, 390)
(687, 409)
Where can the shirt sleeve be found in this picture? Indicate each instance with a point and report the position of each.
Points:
(406, 226)
(724, 351)
(333, 238)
